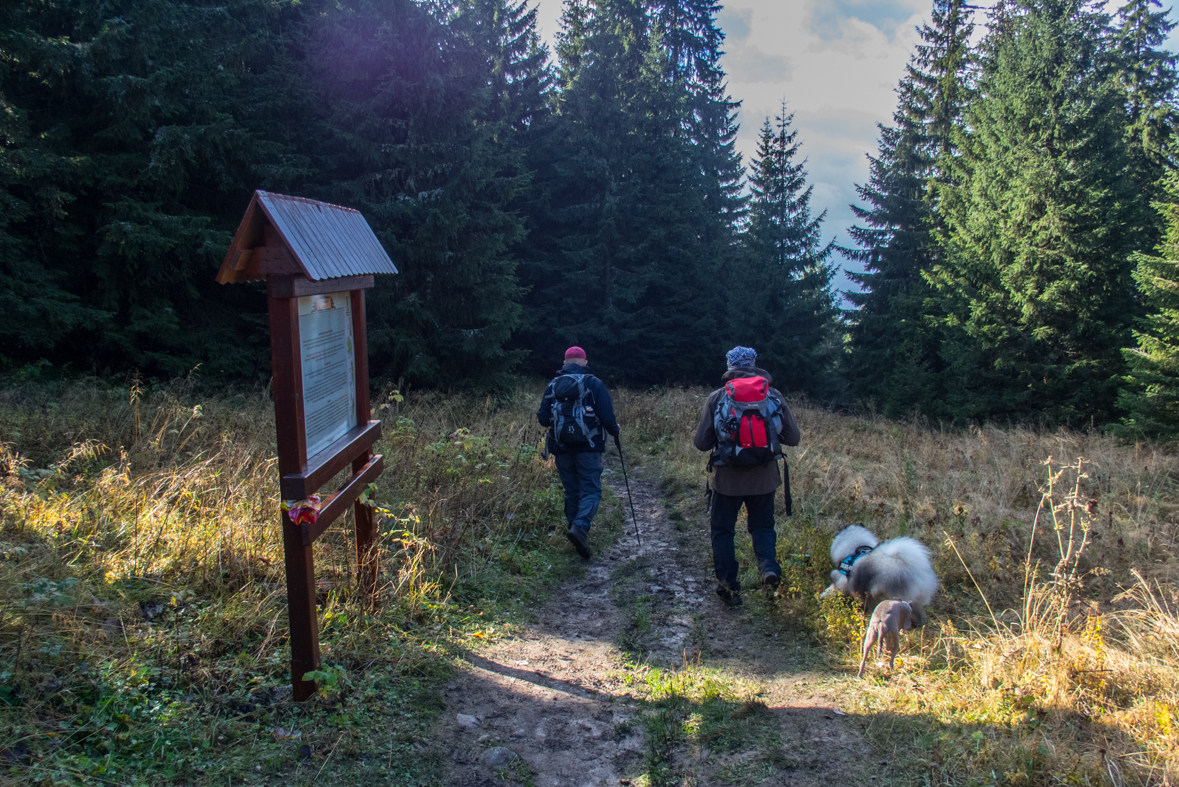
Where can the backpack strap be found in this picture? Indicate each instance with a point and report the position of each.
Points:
(774, 421)
(717, 420)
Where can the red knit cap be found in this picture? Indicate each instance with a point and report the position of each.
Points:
(574, 352)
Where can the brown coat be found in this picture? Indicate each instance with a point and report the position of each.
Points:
(735, 481)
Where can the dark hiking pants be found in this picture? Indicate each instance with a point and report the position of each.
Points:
(760, 510)
(581, 475)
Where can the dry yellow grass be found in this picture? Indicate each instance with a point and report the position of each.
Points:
(1049, 659)
(181, 485)
(1042, 664)
(142, 593)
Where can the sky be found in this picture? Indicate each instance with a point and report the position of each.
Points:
(836, 64)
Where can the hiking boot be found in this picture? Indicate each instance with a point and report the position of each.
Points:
(731, 597)
(770, 579)
(579, 541)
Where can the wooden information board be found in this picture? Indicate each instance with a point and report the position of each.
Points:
(317, 260)
(327, 355)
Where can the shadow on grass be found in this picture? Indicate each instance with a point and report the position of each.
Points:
(695, 726)
(151, 681)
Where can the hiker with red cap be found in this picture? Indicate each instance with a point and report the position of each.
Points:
(744, 425)
(578, 412)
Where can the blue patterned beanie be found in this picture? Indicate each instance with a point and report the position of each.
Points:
(741, 357)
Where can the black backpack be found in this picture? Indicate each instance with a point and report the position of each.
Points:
(574, 423)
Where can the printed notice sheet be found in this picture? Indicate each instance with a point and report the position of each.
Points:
(329, 368)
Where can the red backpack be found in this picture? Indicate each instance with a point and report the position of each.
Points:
(747, 421)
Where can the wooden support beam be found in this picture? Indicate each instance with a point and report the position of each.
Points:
(242, 262)
(273, 261)
(322, 467)
(367, 564)
(346, 495)
(299, 286)
(292, 451)
(367, 567)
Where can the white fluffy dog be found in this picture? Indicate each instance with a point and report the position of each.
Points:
(898, 570)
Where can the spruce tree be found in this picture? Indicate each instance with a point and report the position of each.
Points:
(418, 116)
(42, 310)
(941, 71)
(1151, 393)
(519, 75)
(693, 43)
(1036, 280)
(573, 39)
(894, 345)
(129, 142)
(133, 134)
(893, 358)
(782, 303)
(1146, 74)
(627, 271)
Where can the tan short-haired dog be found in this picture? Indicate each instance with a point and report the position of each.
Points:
(888, 619)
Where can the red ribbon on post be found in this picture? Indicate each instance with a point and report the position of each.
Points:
(303, 512)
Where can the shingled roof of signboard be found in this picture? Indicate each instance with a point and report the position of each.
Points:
(283, 235)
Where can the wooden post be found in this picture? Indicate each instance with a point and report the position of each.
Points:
(366, 548)
(304, 619)
(366, 554)
(292, 457)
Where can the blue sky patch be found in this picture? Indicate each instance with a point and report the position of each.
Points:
(737, 23)
(887, 16)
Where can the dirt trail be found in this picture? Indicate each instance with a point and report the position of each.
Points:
(552, 707)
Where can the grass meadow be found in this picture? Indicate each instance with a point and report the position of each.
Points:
(1051, 655)
(142, 591)
(142, 597)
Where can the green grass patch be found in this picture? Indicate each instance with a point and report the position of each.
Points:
(627, 580)
(693, 712)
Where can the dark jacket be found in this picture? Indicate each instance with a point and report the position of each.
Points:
(738, 481)
(596, 396)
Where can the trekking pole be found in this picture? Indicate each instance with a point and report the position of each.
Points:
(629, 496)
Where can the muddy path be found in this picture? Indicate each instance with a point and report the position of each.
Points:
(562, 703)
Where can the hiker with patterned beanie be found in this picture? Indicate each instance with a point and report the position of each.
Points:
(578, 412)
(744, 425)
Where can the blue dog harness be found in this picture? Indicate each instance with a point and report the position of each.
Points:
(846, 564)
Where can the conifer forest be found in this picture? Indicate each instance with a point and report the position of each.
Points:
(1016, 234)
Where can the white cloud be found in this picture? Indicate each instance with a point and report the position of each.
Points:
(737, 23)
